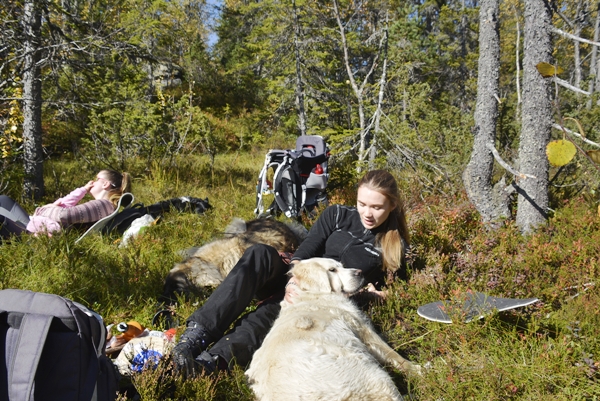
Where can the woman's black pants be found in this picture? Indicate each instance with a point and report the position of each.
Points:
(261, 274)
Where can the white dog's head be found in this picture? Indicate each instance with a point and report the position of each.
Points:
(326, 275)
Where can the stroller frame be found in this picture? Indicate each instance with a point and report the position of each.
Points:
(299, 178)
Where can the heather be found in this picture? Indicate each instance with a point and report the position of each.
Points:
(549, 350)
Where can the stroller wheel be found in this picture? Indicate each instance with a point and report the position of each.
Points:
(165, 319)
(265, 215)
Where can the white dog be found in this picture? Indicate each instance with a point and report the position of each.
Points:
(322, 347)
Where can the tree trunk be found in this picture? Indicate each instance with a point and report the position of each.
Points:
(463, 71)
(491, 203)
(365, 135)
(299, 82)
(576, 47)
(518, 66)
(378, 111)
(536, 117)
(358, 92)
(594, 60)
(33, 185)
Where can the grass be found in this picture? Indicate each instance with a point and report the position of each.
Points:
(550, 350)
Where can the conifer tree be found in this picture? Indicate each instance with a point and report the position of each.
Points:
(33, 185)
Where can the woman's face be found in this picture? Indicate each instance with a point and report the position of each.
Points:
(100, 184)
(373, 207)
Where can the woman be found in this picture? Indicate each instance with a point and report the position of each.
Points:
(372, 237)
(106, 189)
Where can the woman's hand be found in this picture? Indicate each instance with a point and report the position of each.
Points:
(373, 293)
(290, 291)
(89, 185)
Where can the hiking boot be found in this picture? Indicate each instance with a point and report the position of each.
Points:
(192, 342)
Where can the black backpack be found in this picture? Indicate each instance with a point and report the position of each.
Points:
(123, 219)
(121, 222)
(52, 349)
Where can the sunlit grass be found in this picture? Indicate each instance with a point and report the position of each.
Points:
(550, 350)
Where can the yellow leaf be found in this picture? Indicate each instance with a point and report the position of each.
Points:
(560, 152)
(594, 155)
(548, 70)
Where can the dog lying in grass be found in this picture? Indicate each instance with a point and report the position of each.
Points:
(208, 265)
(322, 347)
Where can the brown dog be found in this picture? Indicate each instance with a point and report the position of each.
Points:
(207, 266)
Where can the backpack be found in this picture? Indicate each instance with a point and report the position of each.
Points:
(122, 221)
(52, 349)
(296, 178)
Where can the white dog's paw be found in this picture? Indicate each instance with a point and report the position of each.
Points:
(415, 369)
(420, 369)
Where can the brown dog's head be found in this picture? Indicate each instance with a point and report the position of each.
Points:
(326, 275)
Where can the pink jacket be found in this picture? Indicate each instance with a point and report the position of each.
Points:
(65, 212)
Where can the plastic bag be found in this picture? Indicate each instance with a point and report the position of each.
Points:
(144, 352)
(136, 227)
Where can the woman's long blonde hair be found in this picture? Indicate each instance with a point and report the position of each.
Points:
(391, 240)
(119, 184)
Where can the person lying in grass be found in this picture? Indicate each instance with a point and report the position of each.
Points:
(107, 189)
(372, 237)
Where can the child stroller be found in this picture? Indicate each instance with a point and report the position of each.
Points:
(297, 179)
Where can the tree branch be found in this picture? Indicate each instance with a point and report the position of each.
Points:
(571, 87)
(563, 16)
(574, 37)
(345, 48)
(568, 131)
(506, 166)
(517, 60)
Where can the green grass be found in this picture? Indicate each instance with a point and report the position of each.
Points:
(550, 350)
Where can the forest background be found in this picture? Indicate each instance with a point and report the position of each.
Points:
(188, 100)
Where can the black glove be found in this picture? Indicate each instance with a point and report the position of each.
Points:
(183, 359)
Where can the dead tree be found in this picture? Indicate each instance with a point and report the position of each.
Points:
(536, 118)
(490, 201)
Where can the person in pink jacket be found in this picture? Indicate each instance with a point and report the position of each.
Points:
(106, 189)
